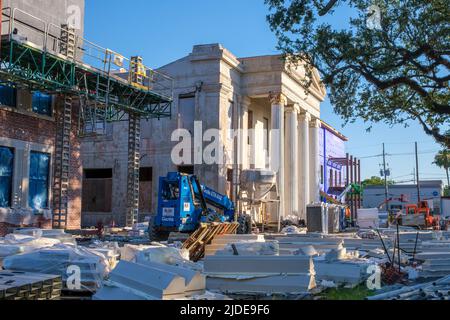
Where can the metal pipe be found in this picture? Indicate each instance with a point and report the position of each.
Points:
(398, 251)
(351, 194)
(384, 246)
(359, 182)
(415, 246)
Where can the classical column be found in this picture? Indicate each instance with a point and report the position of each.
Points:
(278, 102)
(244, 133)
(243, 148)
(304, 150)
(314, 186)
(292, 178)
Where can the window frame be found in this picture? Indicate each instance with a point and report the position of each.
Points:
(33, 180)
(10, 177)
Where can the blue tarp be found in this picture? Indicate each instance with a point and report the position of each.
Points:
(6, 172)
(7, 96)
(39, 175)
(42, 103)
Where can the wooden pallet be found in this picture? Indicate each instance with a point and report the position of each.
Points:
(204, 235)
(15, 285)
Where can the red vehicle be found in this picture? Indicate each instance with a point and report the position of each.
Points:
(420, 216)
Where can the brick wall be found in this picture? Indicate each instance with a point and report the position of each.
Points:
(29, 128)
(75, 175)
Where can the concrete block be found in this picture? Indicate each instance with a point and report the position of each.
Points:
(195, 282)
(114, 293)
(234, 238)
(276, 284)
(152, 282)
(433, 255)
(258, 264)
(342, 272)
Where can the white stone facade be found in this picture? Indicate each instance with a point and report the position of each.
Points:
(225, 92)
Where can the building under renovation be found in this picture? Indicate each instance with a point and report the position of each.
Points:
(56, 87)
(214, 89)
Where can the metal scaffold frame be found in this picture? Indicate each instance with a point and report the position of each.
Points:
(42, 56)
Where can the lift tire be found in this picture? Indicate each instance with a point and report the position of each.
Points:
(245, 224)
(154, 233)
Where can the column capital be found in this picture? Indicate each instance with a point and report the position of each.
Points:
(245, 101)
(315, 123)
(277, 98)
(293, 108)
(306, 116)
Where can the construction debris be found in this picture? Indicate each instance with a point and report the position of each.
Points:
(436, 290)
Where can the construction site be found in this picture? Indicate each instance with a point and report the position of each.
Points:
(101, 200)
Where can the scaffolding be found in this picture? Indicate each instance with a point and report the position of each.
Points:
(42, 56)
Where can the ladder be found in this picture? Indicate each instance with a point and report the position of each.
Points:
(62, 165)
(62, 149)
(134, 137)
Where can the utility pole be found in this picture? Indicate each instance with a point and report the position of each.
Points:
(417, 175)
(385, 178)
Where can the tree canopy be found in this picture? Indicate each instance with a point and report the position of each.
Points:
(390, 63)
(442, 160)
(376, 181)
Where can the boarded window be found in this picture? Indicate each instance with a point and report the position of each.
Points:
(321, 174)
(250, 125)
(39, 184)
(145, 189)
(266, 134)
(42, 103)
(6, 174)
(230, 132)
(186, 107)
(8, 96)
(97, 190)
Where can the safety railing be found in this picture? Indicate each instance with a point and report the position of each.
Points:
(22, 26)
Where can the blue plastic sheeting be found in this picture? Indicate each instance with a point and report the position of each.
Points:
(39, 176)
(7, 96)
(6, 174)
(42, 103)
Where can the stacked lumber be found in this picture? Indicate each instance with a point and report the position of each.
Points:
(204, 235)
(16, 285)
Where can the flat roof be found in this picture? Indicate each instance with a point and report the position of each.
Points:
(333, 130)
(429, 183)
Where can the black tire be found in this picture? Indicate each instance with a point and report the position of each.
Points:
(154, 233)
(245, 224)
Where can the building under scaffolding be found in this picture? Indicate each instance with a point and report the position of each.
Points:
(91, 86)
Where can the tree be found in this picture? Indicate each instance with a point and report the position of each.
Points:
(390, 63)
(442, 160)
(376, 181)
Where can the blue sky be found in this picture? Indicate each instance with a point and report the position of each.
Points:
(163, 31)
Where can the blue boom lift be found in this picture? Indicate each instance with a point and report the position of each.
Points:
(183, 204)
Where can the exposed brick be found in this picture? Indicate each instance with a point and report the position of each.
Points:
(29, 128)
